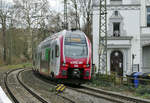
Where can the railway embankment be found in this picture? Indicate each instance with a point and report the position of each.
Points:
(6, 68)
(47, 89)
(113, 84)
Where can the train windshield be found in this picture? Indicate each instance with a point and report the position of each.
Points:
(75, 46)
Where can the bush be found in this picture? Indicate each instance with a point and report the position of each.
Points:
(142, 90)
(1, 62)
(102, 80)
(147, 96)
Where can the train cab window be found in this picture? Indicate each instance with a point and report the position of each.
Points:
(52, 54)
(56, 51)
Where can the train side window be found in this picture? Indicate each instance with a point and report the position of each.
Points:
(56, 51)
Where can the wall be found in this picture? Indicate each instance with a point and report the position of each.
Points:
(131, 25)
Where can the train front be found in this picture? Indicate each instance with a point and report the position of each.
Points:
(76, 59)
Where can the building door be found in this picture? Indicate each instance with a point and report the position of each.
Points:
(116, 61)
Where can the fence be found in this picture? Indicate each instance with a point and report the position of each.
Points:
(114, 80)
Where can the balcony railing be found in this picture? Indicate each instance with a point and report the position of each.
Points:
(146, 69)
(116, 33)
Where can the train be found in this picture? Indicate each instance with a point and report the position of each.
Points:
(65, 56)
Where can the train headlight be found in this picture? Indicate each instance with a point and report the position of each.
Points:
(65, 65)
(86, 65)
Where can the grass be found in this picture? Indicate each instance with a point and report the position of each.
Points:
(8, 67)
(143, 91)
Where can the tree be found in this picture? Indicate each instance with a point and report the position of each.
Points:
(31, 12)
(5, 9)
(81, 12)
(55, 22)
(86, 9)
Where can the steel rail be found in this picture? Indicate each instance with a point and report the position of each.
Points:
(117, 95)
(101, 96)
(24, 86)
(7, 87)
(41, 99)
(75, 89)
(110, 96)
(45, 79)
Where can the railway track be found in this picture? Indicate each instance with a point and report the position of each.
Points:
(108, 95)
(116, 96)
(78, 89)
(54, 84)
(28, 93)
(99, 93)
(36, 98)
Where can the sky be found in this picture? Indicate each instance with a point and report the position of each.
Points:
(55, 4)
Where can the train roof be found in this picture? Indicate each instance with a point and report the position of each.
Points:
(61, 33)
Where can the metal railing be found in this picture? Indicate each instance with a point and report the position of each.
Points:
(146, 69)
(120, 80)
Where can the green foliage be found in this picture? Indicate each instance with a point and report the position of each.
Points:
(102, 80)
(143, 89)
(27, 65)
(109, 82)
(147, 96)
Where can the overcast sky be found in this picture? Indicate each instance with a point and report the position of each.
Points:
(55, 4)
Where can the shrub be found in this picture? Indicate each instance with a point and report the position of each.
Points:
(102, 80)
(142, 90)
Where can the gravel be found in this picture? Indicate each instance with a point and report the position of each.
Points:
(47, 91)
(22, 95)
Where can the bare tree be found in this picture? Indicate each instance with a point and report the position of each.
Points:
(86, 9)
(31, 12)
(74, 13)
(5, 9)
(81, 12)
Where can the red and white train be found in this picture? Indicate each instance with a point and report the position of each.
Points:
(65, 55)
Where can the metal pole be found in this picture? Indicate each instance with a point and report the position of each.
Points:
(103, 37)
(65, 15)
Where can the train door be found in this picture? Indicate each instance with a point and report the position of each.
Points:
(36, 61)
(57, 58)
(52, 60)
(48, 60)
(39, 60)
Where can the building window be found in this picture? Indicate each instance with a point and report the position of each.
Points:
(116, 29)
(115, 1)
(116, 13)
(148, 16)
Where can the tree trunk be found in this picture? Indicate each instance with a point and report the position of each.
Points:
(4, 38)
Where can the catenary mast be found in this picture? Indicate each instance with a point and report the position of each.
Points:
(65, 15)
(102, 37)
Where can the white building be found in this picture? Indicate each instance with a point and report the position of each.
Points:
(145, 35)
(128, 35)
